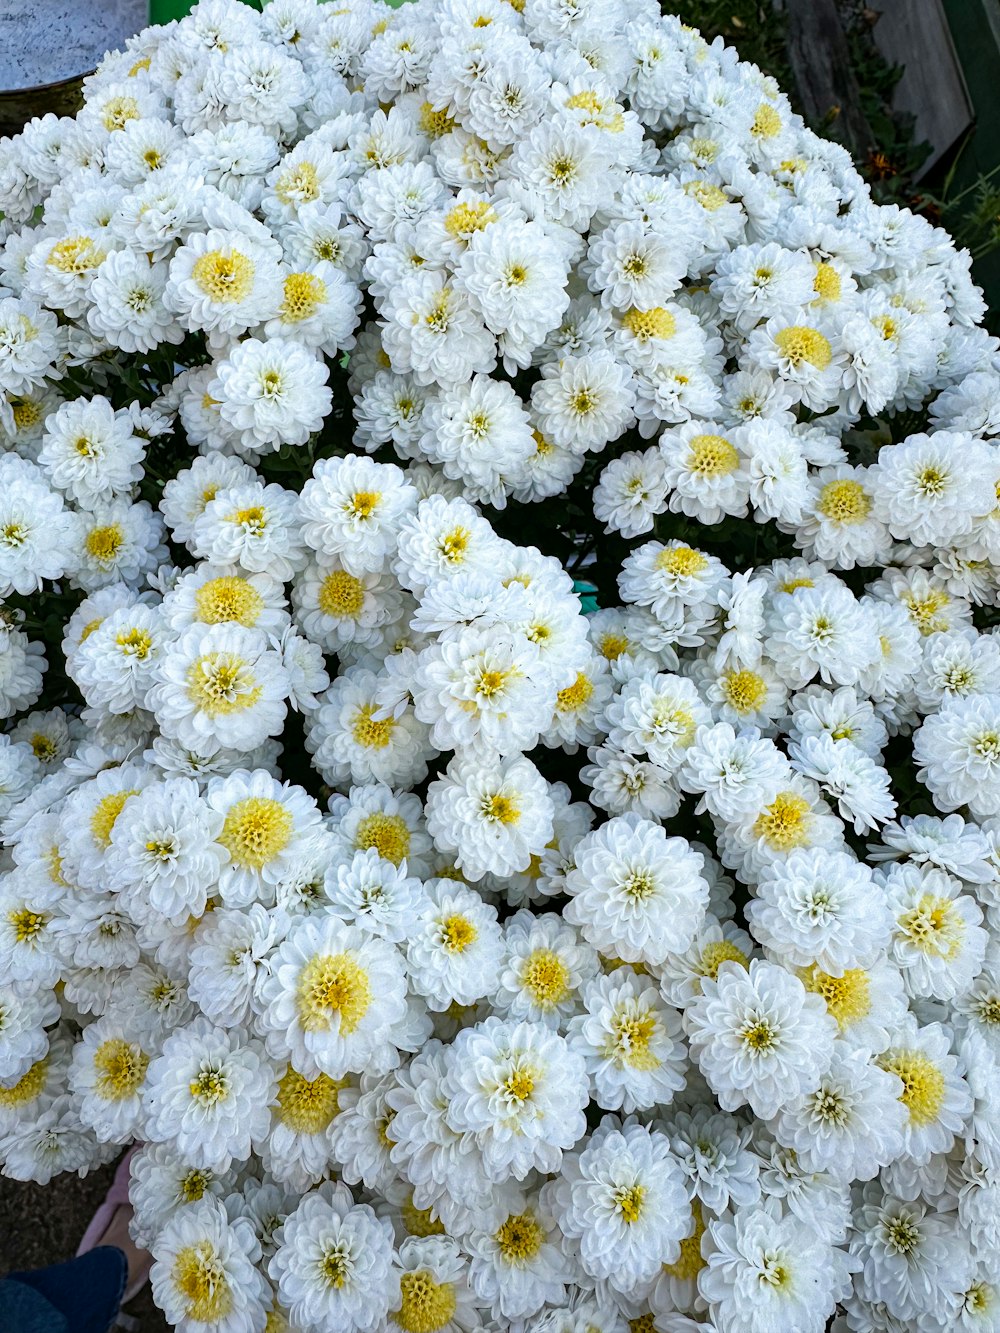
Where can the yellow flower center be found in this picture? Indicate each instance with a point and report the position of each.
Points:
(210, 1086)
(800, 345)
(500, 809)
(304, 294)
(135, 643)
(106, 812)
(333, 987)
(546, 978)
(760, 1035)
(718, 952)
(419, 1221)
(192, 1188)
(254, 519)
(827, 284)
(388, 834)
(744, 690)
(453, 545)
(844, 501)
(200, 1278)
(26, 412)
(923, 1083)
(121, 1069)
(611, 646)
(256, 830)
(848, 997)
(519, 1084)
(103, 544)
(228, 600)
(925, 612)
(308, 1105)
(298, 185)
(583, 401)
(519, 1238)
(435, 124)
(457, 933)
(363, 504)
(341, 595)
(225, 278)
(784, 824)
(628, 1201)
(766, 123)
(464, 219)
(632, 1028)
(118, 111)
(709, 196)
(27, 925)
(335, 1268)
(712, 456)
(575, 696)
(77, 254)
(425, 1305)
(219, 684)
(646, 324)
(28, 1087)
(681, 561)
(934, 926)
(371, 732)
(690, 1262)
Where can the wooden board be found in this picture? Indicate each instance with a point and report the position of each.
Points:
(915, 34)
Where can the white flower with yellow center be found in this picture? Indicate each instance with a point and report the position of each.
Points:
(453, 946)
(24, 1016)
(36, 529)
(705, 471)
(520, 1089)
(658, 716)
(545, 965)
(229, 961)
(759, 1036)
(266, 825)
(353, 740)
(374, 817)
(931, 487)
(674, 581)
(336, 608)
(583, 402)
(434, 1295)
(371, 892)
(443, 539)
(351, 509)
(623, 1200)
(319, 308)
(298, 1149)
(185, 496)
(333, 1263)
(935, 1093)
(938, 940)
(492, 818)
(39, 1147)
(843, 524)
(61, 266)
(223, 282)
(115, 666)
(108, 1076)
(271, 394)
(207, 1094)
(28, 952)
(806, 356)
(797, 817)
(225, 594)
(162, 1184)
(88, 819)
(205, 1274)
(433, 331)
(117, 542)
(219, 686)
(630, 1041)
(332, 999)
(518, 1264)
(958, 750)
(253, 525)
(636, 892)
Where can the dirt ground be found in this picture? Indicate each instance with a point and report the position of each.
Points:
(42, 1225)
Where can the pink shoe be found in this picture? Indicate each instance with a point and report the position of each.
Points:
(116, 1196)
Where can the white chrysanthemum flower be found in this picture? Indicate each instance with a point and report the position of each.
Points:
(631, 1042)
(936, 1096)
(377, 818)
(545, 965)
(731, 771)
(229, 961)
(223, 282)
(453, 946)
(622, 1198)
(958, 750)
(518, 1264)
(713, 1152)
(492, 819)
(353, 741)
(219, 686)
(520, 1090)
(636, 890)
(108, 1076)
(333, 1262)
(24, 1016)
(759, 1037)
(764, 1273)
(90, 452)
(938, 941)
(37, 531)
(820, 906)
(270, 394)
(332, 999)
(851, 1125)
(207, 1094)
(205, 1272)
(351, 509)
(117, 542)
(37, 1149)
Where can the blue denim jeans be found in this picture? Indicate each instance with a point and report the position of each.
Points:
(81, 1295)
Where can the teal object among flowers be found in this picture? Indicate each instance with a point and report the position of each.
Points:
(587, 593)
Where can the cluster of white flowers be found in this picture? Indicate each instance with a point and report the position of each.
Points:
(463, 961)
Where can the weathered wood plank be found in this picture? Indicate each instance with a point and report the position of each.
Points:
(824, 76)
(915, 34)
